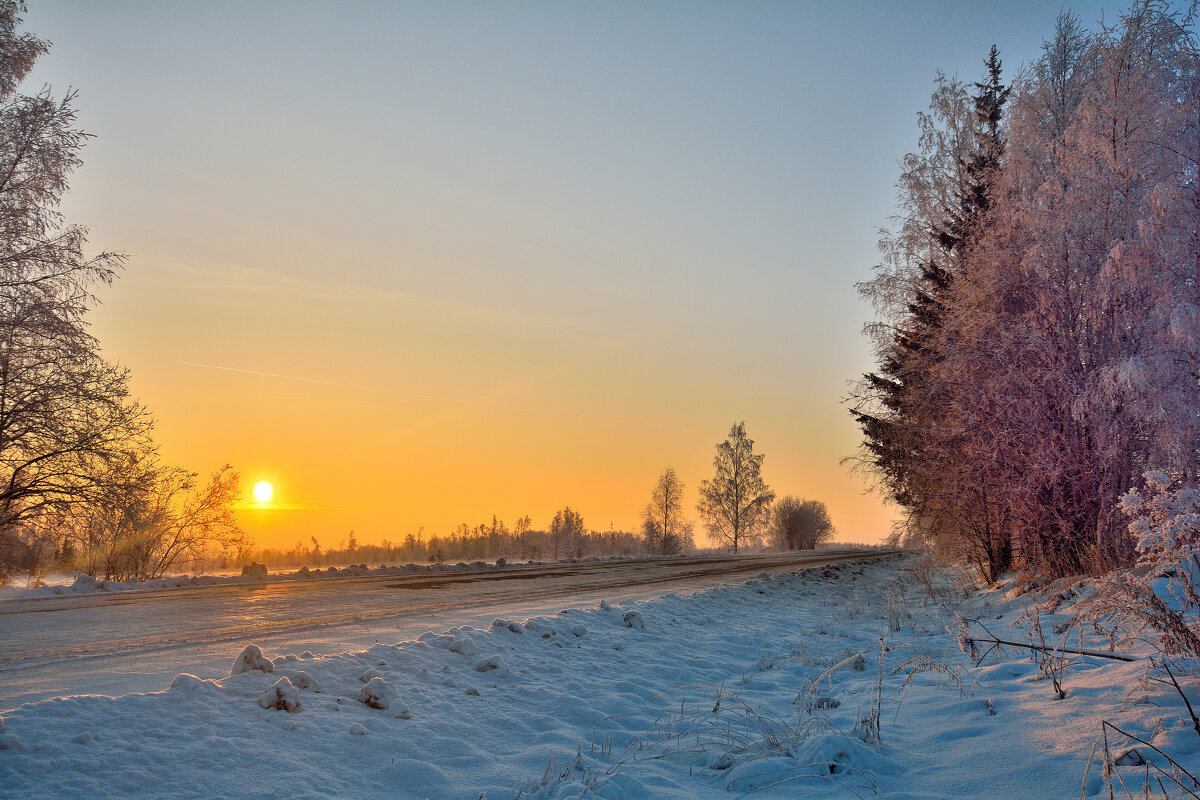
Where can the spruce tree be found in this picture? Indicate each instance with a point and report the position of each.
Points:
(893, 427)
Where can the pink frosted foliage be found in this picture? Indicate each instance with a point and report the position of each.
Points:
(1164, 520)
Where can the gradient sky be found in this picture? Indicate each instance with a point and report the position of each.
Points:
(416, 264)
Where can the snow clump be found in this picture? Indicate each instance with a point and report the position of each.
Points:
(84, 583)
(303, 680)
(633, 619)
(489, 663)
(186, 682)
(283, 696)
(380, 694)
(511, 624)
(578, 630)
(251, 659)
(465, 646)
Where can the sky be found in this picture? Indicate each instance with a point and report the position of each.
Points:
(416, 264)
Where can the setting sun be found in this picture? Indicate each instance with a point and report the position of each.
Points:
(263, 492)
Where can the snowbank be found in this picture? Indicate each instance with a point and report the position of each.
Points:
(745, 688)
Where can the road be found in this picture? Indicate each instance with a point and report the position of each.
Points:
(138, 641)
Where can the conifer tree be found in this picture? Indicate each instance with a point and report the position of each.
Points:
(942, 217)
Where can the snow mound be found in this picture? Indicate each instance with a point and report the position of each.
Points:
(282, 696)
(251, 659)
(378, 693)
(186, 682)
(633, 619)
(490, 663)
(302, 680)
(578, 630)
(84, 583)
(255, 570)
(604, 606)
(830, 757)
(511, 624)
(370, 674)
(465, 646)
(358, 729)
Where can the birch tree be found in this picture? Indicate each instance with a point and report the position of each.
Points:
(665, 529)
(65, 412)
(736, 504)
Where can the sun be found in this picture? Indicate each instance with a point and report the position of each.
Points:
(263, 492)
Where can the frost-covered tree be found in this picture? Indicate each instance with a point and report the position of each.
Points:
(946, 193)
(1065, 358)
(736, 504)
(1163, 591)
(665, 529)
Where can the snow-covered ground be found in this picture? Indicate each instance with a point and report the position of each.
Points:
(766, 686)
(123, 642)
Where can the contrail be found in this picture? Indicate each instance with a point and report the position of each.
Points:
(330, 383)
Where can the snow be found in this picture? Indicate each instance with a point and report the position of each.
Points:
(251, 659)
(756, 687)
(378, 693)
(119, 643)
(303, 680)
(464, 645)
(283, 696)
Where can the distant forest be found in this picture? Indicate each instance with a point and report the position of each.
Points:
(485, 542)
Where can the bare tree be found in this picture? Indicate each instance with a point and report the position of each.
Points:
(65, 413)
(736, 503)
(665, 529)
(150, 518)
(798, 524)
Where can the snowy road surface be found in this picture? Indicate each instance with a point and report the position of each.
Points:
(138, 641)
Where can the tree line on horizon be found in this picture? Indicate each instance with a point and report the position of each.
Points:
(735, 505)
(1038, 304)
